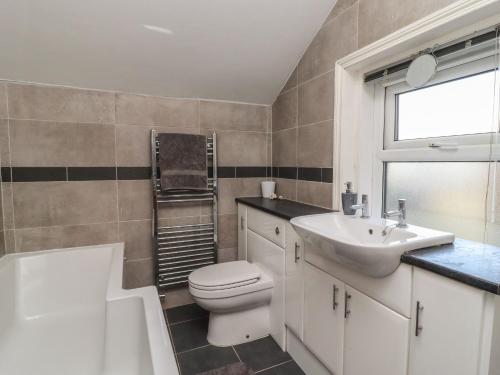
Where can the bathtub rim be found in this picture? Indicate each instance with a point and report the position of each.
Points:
(162, 352)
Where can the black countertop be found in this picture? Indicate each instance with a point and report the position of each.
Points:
(469, 262)
(282, 207)
(472, 263)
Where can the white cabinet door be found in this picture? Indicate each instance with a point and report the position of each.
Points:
(242, 232)
(375, 337)
(324, 317)
(270, 258)
(294, 281)
(450, 318)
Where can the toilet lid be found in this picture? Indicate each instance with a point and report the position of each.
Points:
(225, 275)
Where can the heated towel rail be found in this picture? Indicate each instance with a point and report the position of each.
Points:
(181, 249)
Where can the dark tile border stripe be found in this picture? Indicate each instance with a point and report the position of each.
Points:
(91, 173)
(305, 174)
(35, 174)
(226, 172)
(6, 175)
(310, 174)
(134, 173)
(246, 172)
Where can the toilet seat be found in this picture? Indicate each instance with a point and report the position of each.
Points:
(228, 280)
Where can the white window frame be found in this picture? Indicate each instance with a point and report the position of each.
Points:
(358, 139)
(460, 69)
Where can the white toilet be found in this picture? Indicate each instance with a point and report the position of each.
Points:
(237, 294)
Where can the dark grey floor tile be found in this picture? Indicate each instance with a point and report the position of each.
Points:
(262, 353)
(289, 368)
(204, 359)
(186, 312)
(190, 335)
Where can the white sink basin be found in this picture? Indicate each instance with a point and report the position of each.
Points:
(360, 243)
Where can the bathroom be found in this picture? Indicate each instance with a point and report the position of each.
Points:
(370, 127)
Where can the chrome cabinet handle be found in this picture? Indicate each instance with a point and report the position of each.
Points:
(418, 327)
(297, 247)
(277, 230)
(242, 222)
(347, 312)
(335, 303)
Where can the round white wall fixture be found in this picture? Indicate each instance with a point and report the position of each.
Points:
(421, 70)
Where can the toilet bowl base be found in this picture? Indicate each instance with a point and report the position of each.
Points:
(227, 329)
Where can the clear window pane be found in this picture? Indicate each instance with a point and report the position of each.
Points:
(447, 196)
(459, 107)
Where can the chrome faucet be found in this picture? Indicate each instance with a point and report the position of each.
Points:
(400, 213)
(363, 207)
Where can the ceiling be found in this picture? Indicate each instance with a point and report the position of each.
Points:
(237, 50)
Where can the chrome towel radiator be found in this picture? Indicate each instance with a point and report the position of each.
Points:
(181, 249)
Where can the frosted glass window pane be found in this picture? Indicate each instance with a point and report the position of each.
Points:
(447, 196)
(459, 107)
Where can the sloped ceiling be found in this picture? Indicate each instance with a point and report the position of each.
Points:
(237, 50)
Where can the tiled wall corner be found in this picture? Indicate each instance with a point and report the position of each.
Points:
(77, 162)
(302, 131)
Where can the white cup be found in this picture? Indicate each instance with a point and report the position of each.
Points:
(267, 188)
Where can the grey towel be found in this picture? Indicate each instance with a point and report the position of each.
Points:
(233, 369)
(183, 161)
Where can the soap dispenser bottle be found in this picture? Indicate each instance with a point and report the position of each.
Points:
(349, 198)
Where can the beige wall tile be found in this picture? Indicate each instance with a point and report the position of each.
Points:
(236, 148)
(230, 188)
(135, 200)
(179, 210)
(43, 204)
(227, 255)
(382, 17)
(315, 193)
(7, 205)
(285, 148)
(4, 143)
(315, 145)
(292, 81)
(153, 110)
(228, 231)
(138, 273)
(53, 103)
(10, 242)
(316, 100)
(133, 143)
(43, 143)
(137, 237)
(172, 221)
(333, 41)
(32, 239)
(3, 100)
(232, 116)
(285, 110)
(340, 7)
(2, 244)
(286, 188)
(177, 297)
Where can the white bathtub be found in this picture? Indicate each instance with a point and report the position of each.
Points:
(64, 312)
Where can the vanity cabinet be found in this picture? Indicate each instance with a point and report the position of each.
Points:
(324, 317)
(375, 337)
(446, 326)
(342, 325)
(242, 232)
(294, 281)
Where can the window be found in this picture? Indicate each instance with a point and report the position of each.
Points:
(458, 107)
(439, 144)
